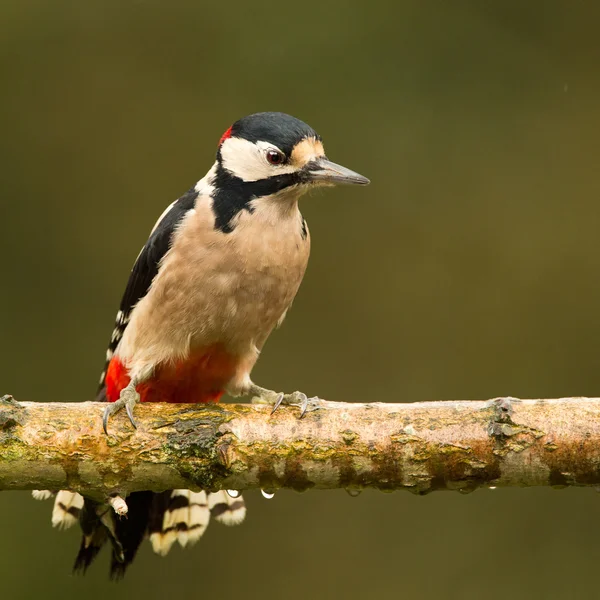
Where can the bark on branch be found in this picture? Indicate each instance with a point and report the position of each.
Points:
(419, 447)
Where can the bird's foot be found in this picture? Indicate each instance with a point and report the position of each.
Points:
(127, 399)
(275, 399)
(118, 505)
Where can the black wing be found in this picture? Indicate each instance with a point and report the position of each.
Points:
(145, 270)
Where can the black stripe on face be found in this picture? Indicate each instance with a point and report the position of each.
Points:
(233, 194)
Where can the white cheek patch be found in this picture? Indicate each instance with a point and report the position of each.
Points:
(247, 160)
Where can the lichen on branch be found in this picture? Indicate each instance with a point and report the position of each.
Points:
(420, 447)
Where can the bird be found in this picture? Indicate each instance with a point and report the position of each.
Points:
(216, 276)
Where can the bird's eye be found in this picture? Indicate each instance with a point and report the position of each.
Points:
(275, 157)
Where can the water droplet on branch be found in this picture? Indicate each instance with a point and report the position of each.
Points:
(268, 494)
(233, 493)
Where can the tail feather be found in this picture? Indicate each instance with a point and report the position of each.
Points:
(88, 550)
(43, 494)
(67, 508)
(225, 509)
(184, 519)
(130, 532)
(98, 525)
(166, 517)
(94, 536)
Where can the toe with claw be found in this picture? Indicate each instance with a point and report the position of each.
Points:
(118, 505)
(128, 399)
(264, 396)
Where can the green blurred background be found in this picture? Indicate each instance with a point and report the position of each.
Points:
(467, 270)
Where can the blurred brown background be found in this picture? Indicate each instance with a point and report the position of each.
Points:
(468, 269)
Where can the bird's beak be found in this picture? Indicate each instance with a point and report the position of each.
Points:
(322, 170)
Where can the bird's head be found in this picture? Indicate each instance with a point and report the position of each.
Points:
(276, 152)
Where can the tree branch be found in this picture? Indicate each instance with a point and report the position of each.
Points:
(419, 447)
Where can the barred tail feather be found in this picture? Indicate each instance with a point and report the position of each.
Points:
(185, 517)
(225, 509)
(42, 494)
(67, 507)
(166, 517)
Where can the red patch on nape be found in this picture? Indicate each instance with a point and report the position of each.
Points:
(201, 377)
(225, 136)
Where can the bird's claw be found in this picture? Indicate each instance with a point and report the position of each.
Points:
(294, 399)
(309, 404)
(278, 402)
(129, 410)
(128, 399)
(118, 505)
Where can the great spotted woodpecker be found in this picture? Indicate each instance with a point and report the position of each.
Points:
(216, 276)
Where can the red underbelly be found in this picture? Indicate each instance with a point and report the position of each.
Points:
(201, 377)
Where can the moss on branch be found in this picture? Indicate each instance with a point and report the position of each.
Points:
(420, 447)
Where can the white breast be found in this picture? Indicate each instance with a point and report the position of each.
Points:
(220, 288)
